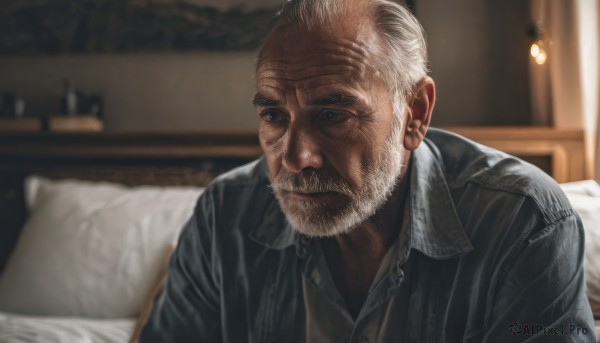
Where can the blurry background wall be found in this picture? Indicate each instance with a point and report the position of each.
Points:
(145, 91)
(478, 54)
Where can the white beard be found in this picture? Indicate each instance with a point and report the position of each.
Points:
(320, 218)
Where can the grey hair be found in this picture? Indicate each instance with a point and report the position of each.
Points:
(405, 61)
(309, 13)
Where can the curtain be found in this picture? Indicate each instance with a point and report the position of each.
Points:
(566, 88)
(589, 34)
(596, 116)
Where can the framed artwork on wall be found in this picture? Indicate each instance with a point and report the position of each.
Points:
(118, 26)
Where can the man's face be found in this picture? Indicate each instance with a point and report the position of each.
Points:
(332, 143)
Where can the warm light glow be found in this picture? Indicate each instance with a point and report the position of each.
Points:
(541, 57)
(538, 52)
(535, 50)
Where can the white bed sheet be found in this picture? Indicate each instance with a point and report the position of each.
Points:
(33, 329)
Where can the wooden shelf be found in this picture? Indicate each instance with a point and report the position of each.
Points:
(24, 124)
(52, 123)
(75, 124)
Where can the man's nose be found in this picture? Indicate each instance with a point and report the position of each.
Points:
(302, 151)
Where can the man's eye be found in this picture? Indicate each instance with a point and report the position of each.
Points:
(272, 116)
(332, 116)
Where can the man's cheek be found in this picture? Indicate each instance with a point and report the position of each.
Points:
(271, 134)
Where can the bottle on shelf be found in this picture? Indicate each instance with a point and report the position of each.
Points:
(69, 102)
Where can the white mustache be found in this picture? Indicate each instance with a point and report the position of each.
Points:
(311, 182)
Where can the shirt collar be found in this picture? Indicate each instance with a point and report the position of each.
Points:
(436, 229)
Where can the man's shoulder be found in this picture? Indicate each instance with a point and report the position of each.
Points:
(249, 174)
(237, 190)
(472, 166)
(236, 200)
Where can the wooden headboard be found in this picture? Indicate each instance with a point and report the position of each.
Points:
(196, 158)
(558, 152)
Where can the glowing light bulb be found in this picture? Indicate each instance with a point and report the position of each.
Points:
(535, 50)
(541, 57)
(538, 51)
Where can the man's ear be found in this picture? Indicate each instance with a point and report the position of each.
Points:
(418, 114)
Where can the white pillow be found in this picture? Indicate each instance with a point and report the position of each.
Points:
(91, 249)
(585, 198)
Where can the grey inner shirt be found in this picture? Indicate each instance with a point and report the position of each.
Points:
(327, 317)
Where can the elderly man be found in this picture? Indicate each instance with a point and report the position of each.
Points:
(356, 226)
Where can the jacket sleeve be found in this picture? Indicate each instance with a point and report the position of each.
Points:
(188, 309)
(543, 298)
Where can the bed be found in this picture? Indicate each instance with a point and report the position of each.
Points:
(66, 282)
(87, 221)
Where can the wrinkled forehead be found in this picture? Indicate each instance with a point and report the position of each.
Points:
(351, 40)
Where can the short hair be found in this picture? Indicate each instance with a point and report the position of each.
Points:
(405, 61)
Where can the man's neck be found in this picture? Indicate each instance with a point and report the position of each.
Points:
(354, 258)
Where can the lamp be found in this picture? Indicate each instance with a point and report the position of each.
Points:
(537, 49)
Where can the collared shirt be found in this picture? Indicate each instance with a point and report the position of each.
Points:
(494, 255)
(326, 313)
